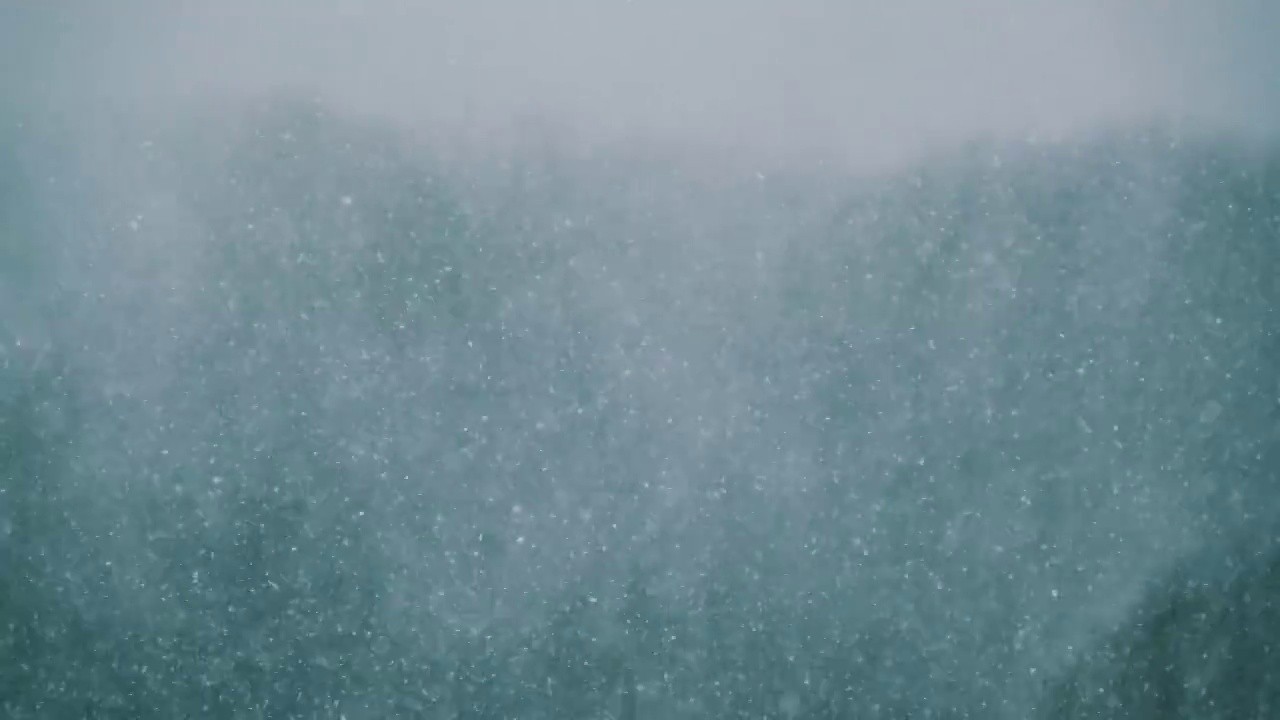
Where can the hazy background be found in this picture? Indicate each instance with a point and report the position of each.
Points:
(850, 81)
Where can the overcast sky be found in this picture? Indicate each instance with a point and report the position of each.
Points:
(864, 81)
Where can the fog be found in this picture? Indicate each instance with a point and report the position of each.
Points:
(637, 359)
(857, 82)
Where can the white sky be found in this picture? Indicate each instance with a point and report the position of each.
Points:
(861, 80)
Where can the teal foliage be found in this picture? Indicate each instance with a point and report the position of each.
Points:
(556, 437)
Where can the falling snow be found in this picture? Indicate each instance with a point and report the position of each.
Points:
(310, 412)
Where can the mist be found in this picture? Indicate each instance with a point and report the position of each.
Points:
(635, 359)
(842, 82)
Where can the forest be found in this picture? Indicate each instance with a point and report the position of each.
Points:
(302, 418)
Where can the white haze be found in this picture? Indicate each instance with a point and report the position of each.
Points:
(859, 82)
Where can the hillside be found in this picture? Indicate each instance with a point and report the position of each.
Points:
(301, 418)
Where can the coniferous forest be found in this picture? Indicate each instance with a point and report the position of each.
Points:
(303, 418)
